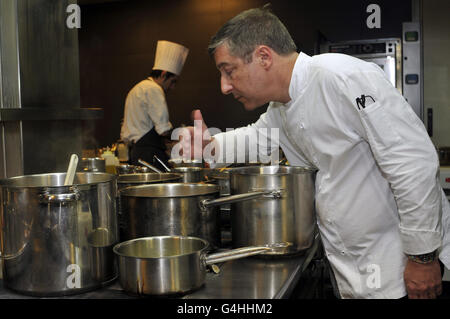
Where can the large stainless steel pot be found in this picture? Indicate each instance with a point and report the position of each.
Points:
(182, 163)
(163, 265)
(125, 169)
(92, 164)
(187, 209)
(136, 179)
(290, 218)
(56, 239)
(169, 209)
(190, 174)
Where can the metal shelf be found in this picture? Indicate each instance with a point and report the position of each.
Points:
(49, 114)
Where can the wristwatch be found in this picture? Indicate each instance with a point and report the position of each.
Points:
(424, 258)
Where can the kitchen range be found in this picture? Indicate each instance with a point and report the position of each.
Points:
(163, 239)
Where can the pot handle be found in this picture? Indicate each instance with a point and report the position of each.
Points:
(243, 252)
(276, 194)
(48, 198)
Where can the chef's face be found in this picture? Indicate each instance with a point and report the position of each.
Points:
(168, 83)
(245, 80)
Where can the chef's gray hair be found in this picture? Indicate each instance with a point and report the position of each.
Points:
(251, 28)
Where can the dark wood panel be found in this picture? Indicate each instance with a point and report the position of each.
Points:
(118, 42)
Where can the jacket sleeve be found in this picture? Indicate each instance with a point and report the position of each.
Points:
(404, 153)
(256, 142)
(157, 109)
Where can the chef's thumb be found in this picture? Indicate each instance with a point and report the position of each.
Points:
(197, 116)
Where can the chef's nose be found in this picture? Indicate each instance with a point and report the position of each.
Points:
(225, 85)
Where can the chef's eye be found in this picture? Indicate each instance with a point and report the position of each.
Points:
(229, 72)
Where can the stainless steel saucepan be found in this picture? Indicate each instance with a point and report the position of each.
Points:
(187, 209)
(164, 265)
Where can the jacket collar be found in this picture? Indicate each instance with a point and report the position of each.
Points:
(299, 77)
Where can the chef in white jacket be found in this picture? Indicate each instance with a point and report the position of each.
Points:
(146, 115)
(381, 212)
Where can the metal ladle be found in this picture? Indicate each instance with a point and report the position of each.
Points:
(162, 163)
(71, 170)
(149, 166)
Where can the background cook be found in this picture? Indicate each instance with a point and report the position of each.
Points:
(146, 127)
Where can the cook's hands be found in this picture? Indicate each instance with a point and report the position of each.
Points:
(423, 281)
(200, 136)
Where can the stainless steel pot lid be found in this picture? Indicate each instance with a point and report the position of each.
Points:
(170, 190)
(56, 179)
(140, 178)
(160, 246)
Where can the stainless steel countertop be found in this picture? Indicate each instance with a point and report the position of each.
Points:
(248, 278)
(255, 277)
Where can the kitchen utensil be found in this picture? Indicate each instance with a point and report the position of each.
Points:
(290, 218)
(92, 164)
(143, 169)
(187, 209)
(125, 169)
(190, 174)
(164, 265)
(50, 232)
(179, 162)
(149, 166)
(162, 163)
(70, 175)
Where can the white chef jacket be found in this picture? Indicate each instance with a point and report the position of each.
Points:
(145, 108)
(378, 194)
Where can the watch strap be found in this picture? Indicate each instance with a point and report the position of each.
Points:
(423, 258)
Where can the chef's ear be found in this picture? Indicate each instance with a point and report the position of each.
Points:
(264, 55)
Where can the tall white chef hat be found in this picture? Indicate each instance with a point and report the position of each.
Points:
(170, 57)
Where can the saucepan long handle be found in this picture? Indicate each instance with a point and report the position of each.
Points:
(142, 162)
(162, 163)
(239, 198)
(243, 252)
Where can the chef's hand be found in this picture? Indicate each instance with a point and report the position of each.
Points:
(198, 132)
(423, 281)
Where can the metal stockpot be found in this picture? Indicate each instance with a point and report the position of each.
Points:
(190, 174)
(56, 239)
(125, 169)
(169, 209)
(164, 265)
(93, 164)
(182, 163)
(186, 209)
(136, 179)
(290, 218)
